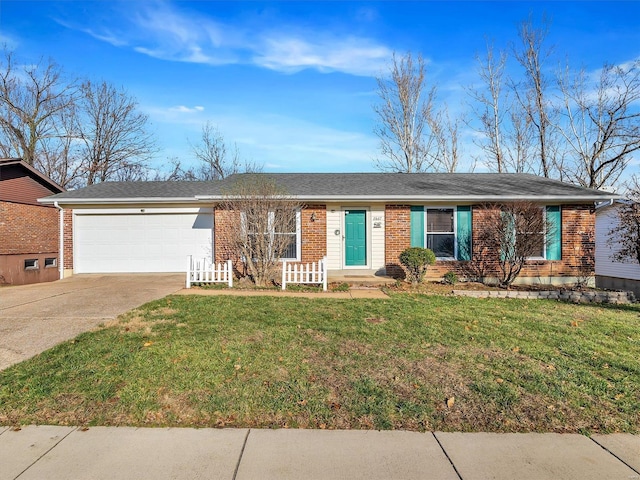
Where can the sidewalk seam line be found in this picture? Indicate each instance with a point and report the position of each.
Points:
(244, 444)
(613, 454)
(40, 457)
(447, 455)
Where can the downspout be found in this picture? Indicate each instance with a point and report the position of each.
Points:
(60, 240)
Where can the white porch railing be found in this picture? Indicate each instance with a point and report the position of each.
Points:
(305, 273)
(204, 270)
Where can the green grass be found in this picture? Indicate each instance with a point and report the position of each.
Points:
(510, 365)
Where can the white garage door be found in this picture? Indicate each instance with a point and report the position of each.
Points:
(143, 242)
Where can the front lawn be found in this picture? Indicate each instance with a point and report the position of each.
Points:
(411, 362)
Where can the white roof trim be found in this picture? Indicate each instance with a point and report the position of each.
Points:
(338, 198)
(439, 198)
(101, 201)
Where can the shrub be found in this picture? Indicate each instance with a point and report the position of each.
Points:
(450, 278)
(416, 260)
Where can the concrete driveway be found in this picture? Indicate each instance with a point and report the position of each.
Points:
(36, 317)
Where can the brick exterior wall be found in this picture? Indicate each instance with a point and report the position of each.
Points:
(68, 239)
(578, 242)
(578, 246)
(314, 233)
(397, 237)
(27, 232)
(28, 229)
(223, 234)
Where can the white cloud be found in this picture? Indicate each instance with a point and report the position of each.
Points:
(183, 109)
(161, 30)
(352, 55)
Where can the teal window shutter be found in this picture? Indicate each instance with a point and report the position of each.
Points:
(463, 234)
(417, 226)
(554, 232)
(508, 241)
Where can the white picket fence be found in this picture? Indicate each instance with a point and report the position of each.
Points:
(315, 273)
(203, 270)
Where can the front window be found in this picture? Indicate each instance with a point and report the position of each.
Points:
(440, 231)
(285, 231)
(529, 238)
(280, 232)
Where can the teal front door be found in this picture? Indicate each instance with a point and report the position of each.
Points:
(355, 238)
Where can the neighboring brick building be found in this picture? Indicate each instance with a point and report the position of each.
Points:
(29, 232)
(359, 222)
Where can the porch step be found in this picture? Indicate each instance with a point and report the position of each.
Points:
(364, 278)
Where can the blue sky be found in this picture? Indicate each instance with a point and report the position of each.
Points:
(293, 83)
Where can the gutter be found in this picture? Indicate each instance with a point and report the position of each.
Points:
(60, 240)
(605, 204)
(431, 198)
(112, 201)
(337, 198)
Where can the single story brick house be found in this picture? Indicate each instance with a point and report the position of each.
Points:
(29, 231)
(359, 221)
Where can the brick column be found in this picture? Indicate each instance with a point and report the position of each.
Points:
(314, 233)
(67, 238)
(397, 237)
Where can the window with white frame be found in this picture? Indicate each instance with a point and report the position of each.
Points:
(287, 229)
(440, 231)
(535, 240)
(50, 262)
(281, 230)
(31, 264)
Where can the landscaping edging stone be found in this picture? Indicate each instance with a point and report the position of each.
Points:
(618, 298)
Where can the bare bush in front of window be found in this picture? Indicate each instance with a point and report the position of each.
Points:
(264, 230)
(511, 234)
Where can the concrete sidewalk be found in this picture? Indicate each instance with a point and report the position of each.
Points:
(38, 452)
(351, 293)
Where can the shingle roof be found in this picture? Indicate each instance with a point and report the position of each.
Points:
(35, 174)
(162, 190)
(349, 186)
(431, 185)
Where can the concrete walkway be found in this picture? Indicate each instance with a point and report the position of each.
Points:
(352, 293)
(38, 452)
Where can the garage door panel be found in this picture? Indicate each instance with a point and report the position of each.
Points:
(140, 243)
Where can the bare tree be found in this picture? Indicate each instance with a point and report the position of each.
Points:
(520, 143)
(262, 225)
(489, 106)
(176, 172)
(216, 160)
(624, 236)
(115, 143)
(509, 235)
(602, 123)
(59, 157)
(532, 93)
(503, 122)
(406, 144)
(33, 98)
(445, 131)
